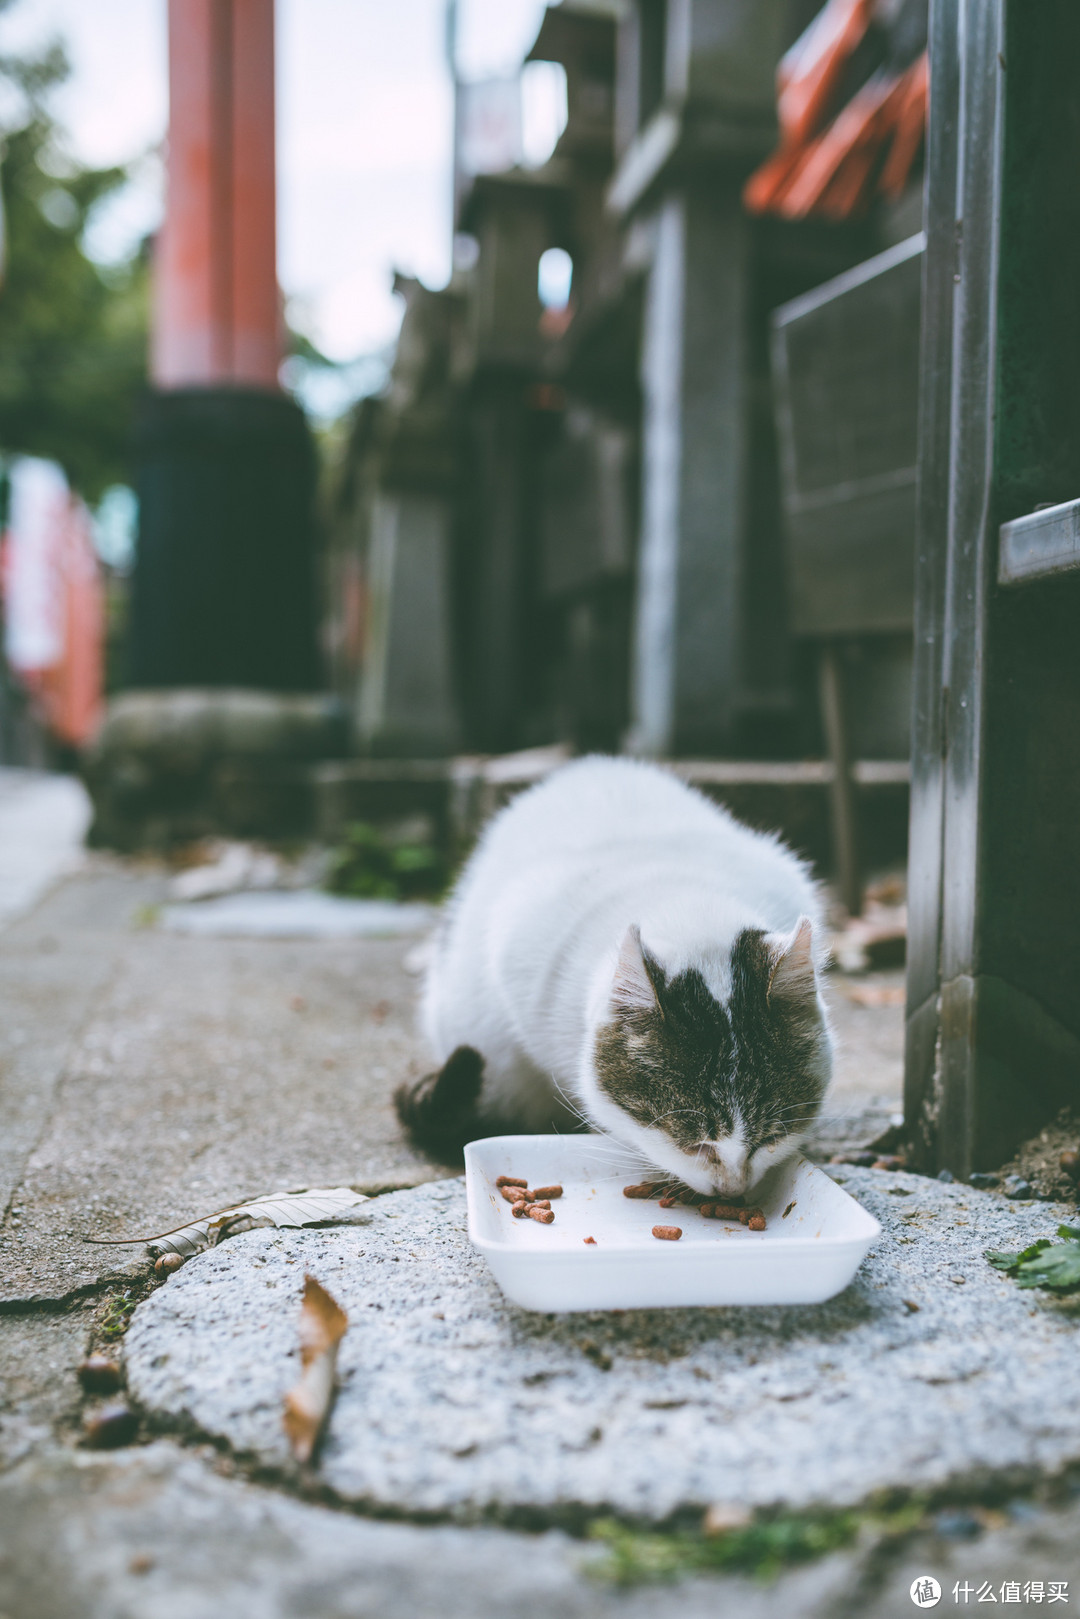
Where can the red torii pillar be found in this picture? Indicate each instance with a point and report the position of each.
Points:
(216, 310)
(224, 581)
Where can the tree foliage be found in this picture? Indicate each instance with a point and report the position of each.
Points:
(73, 335)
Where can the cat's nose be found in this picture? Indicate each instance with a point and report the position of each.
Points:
(729, 1164)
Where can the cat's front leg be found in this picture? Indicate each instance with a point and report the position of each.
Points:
(440, 1111)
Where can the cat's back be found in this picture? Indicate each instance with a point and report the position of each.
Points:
(591, 805)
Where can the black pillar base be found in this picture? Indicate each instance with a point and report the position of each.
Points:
(224, 587)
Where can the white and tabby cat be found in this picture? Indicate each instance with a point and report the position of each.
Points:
(622, 951)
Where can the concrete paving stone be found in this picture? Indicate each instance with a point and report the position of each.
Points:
(43, 821)
(153, 1533)
(929, 1368)
(39, 1390)
(306, 914)
(210, 1070)
(1043, 1546)
(55, 965)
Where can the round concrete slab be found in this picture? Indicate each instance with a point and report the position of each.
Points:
(929, 1367)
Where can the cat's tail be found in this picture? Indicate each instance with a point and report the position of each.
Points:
(440, 1111)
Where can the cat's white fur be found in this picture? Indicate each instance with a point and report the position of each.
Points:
(524, 967)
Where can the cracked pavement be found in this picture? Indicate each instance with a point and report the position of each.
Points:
(147, 1077)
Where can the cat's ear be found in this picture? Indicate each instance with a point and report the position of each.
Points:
(632, 989)
(792, 977)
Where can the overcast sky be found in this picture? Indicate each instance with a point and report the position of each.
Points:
(364, 116)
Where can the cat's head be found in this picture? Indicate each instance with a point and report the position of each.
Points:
(714, 1091)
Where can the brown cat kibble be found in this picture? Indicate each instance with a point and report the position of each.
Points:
(667, 1233)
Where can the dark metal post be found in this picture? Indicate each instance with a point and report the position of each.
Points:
(993, 1032)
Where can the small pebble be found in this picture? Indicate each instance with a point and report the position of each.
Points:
(99, 1375)
(983, 1180)
(724, 1516)
(946, 1175)
(110, 1426)
(1016, 1187)
(955, 1524)
(1070, 1163)
(141, 1563)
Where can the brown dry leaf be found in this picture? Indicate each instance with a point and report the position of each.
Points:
(276, 1209)
(322, 1327)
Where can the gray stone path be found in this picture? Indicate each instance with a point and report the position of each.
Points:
(157, 1533)
(147, 1077)
(930, 1368)
(194, 1072)
(43, 820)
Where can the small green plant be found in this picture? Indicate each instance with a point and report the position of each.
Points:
(762, 1548)
(1054, 1265)
(370, 864)
(118, 1314)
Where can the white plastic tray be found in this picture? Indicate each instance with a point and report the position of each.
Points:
(802, 1257)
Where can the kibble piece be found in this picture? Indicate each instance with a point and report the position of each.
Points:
(756, 1222)
(1070, 1162)
(668, 1202)
(539, 1203)
(112, 1426)
(746, 1215)
(546, 1191)
(645, 1189)
(520, 1209)
(707, 1209)
(514, 1194)
(100, 1375)
(545, 1216)
(590, 1241)
(667, 1233)
(509, 1180)
(167, 1264)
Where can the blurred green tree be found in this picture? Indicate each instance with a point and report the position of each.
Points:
(73, 334)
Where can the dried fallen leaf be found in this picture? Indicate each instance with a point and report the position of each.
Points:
(277, 1209)
(322, 1327)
